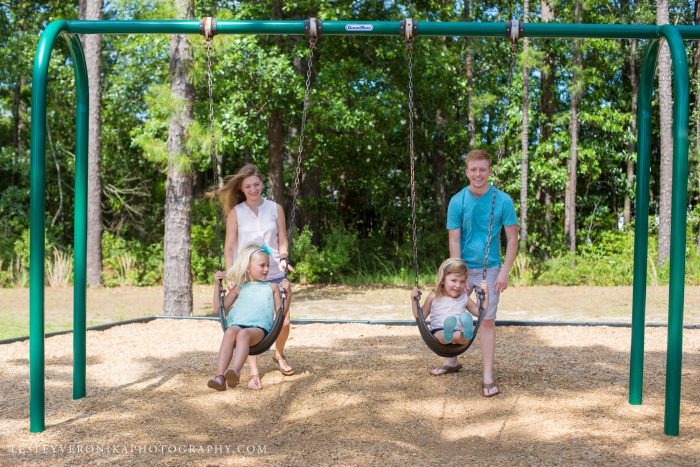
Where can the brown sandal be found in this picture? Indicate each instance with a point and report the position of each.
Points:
(289, 372)
(232, 378)
(447, 369)
(218, 382)
(487, 387)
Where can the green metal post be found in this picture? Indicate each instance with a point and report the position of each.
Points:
(80, 216)
(36, 222)
(641, 221)
(679, 212)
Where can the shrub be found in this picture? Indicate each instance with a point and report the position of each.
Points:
(305, 257)
(59, 269)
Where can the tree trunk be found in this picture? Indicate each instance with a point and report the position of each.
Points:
(275, 128)
(92, 43)
(177, 274)
(697, 106)
(275, 134)
(471, 124)
(439, 166)
(524, 136)
(572, 164)
(311, 214)
(547, 108)
(17, 118)
(634, 80)
(665, 107)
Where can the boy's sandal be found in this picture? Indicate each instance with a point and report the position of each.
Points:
(232, 378)
(486, 389)
(289, 372)
(447, 369)
(218, 382)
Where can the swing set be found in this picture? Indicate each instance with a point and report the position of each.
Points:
(408, 30)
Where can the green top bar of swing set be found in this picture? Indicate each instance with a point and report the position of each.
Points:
(380, 28)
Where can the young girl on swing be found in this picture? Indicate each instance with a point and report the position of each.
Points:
(251, 305)
(450, 308)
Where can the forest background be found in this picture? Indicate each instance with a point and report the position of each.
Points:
(575, 201)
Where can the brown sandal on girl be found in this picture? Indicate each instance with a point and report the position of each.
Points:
(232, 378)
(289, 372)
(217, 382)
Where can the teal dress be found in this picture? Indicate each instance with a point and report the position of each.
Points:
(254, 307)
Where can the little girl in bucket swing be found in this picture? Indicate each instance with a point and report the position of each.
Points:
(450, 308)
(251, 303)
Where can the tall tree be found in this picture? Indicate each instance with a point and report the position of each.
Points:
(696, 64)
(471, 124)
(92, 43)
(634, 81)
(547, 107)
(275, 134)
(177, 275)
(666, 164)
(275, 130)
(572, 163)
(524, 135)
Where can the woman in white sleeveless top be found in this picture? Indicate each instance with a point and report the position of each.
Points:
(250, 218)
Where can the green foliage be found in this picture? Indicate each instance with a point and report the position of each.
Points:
(355, 192)
(204, 258)
(306, 258)
(329, 263)
(130, 262)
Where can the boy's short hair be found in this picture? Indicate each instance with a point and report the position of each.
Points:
(478, 155)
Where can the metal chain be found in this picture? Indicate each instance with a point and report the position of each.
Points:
(411, 151)
(215, 163)
(300, 151)
(216, 166)
(500, 152)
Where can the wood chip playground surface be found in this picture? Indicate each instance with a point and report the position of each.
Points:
(362, 395)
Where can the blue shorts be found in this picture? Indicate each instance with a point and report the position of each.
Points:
(277, 281)
(243, 326)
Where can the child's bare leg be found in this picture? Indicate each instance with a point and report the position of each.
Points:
(458, 338)
(440, 336)
(226, 349)
(244, 339)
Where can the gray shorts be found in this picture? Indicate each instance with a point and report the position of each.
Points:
(475, 278)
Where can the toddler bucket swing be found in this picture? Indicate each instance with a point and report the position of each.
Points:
(208, 30)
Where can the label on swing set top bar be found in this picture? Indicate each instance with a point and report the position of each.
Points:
(359, 27)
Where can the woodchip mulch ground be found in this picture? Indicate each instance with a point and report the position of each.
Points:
(362, 395)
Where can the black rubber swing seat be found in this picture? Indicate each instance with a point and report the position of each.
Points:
(443, 350)
(267, 341)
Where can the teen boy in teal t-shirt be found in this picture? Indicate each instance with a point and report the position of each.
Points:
(468, 216)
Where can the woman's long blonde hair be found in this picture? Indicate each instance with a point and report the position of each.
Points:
(238, 272)
(230, 194)
(449, 266)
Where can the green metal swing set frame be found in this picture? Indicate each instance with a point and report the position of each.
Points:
(674, 35)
